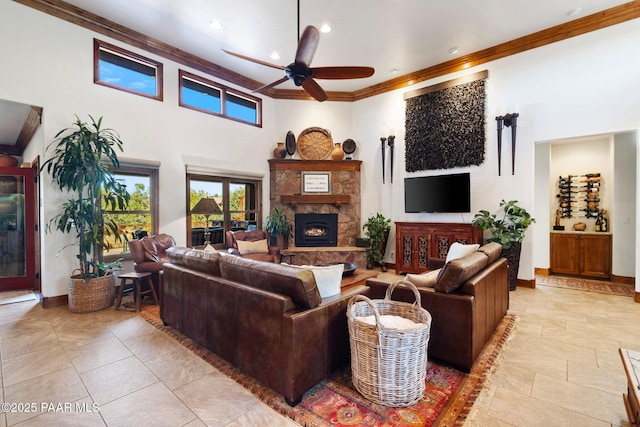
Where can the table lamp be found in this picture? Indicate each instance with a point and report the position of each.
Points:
(206, 207)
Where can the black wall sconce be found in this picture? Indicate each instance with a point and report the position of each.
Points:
(387, 140)
(508, 120)
(383, 144)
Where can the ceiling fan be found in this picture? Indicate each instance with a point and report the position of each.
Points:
(300, 72)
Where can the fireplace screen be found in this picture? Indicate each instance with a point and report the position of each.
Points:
(316, 229)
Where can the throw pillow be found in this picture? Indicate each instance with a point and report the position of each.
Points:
(209, 248)
(458, 250)
(257, 247)
(328, 279)
(427, 279)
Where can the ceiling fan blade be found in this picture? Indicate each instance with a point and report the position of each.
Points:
(270, 85)
(336, 73)
(314, 89)
(257, 61)
(307, 45)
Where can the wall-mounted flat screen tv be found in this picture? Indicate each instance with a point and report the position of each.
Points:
(438, 194)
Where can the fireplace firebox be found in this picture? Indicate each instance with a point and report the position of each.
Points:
(314, 229)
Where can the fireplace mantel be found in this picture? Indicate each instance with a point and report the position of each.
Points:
(314, 165)
(335, 199)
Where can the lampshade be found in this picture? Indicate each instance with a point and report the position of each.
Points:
(206, 206)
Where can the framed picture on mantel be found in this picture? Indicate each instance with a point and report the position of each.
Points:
(316, 182)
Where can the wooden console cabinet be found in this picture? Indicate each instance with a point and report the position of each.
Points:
(581, 254)
(418, 242)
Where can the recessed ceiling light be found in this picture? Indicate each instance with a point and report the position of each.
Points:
(573, 12)
(454, 50)
(216, 24)
(274, 55)
(326, 28)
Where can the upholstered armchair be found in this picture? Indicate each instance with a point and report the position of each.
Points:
(252, 244)
(149, 253)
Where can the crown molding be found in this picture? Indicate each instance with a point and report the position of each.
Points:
(83, 18)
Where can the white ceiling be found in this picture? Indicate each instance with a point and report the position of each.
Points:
(407, 35)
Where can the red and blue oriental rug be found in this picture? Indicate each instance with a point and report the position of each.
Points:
(447, 401)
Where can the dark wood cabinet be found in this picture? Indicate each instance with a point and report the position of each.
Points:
(418, 242)
(581, 254)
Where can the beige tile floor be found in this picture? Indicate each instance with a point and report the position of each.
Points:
(561, 369)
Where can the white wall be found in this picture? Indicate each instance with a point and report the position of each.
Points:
(48, 62)
(576, 87)
(622, 219)
(572, 88)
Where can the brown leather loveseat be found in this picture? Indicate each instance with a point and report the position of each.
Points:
(266, 319)
(467, 299)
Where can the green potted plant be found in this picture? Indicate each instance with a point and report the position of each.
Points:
(279, 228)
(509, 231)
(79, 166)
(377, 232)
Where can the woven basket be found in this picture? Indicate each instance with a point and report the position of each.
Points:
(389, 365)
(93, 295)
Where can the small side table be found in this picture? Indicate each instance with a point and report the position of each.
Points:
(289, 255)
(135, 284)
(631, 363)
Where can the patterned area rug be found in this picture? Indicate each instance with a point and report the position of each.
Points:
(598, 286)
(448, 397)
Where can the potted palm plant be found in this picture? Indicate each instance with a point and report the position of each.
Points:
(509, 231)
(377, 233)
(279, 228)
(79, 166)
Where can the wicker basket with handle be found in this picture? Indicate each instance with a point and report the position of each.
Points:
(388, 365)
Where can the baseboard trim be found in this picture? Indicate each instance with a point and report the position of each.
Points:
(623, 279)
(531, 284)
(57, 301)
(542, 271)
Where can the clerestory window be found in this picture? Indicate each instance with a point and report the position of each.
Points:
(120, 69)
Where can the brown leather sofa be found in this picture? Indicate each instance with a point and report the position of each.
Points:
(271, 255)
(149, 253)
(469, 298)
(266, 319)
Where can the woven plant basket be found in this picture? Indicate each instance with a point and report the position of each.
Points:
(93, 295)
(389, 365)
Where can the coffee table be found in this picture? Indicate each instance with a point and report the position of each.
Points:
(359, 277)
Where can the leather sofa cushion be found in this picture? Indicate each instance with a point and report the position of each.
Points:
(456, 272)
(150, 249)
(201, 260)
(493, 250)
(297, 284)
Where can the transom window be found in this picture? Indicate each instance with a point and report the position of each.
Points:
(120, 69)
(239, 203)
(206, 96)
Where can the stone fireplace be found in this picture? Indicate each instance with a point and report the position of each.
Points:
(342, 201)
(313, 229)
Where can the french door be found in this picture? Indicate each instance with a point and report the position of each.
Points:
(17, 229)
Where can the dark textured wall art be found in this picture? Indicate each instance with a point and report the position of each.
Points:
(445, 127)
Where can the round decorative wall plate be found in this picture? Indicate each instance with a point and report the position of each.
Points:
(290, 143)
(315, 144)
(349, 146)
